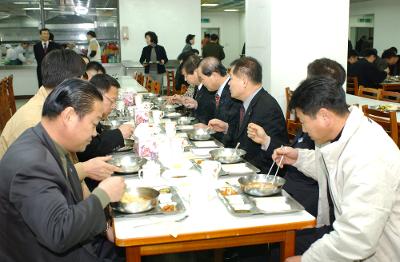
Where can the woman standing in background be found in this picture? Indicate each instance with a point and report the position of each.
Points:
(154, 58)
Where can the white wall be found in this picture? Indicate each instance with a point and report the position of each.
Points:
(386, 21)
(229, 28)
(171, 20)
(285, 40)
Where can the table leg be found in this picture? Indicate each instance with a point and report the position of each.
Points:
(287, 246)
(132, 254)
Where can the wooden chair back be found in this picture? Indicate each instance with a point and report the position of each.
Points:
(148, 83)
(352, 85)
(11, 97)
(140, 78)
(293, 127)
(155, 87)
(390, 96)
(387, 120)
(367, 92)
(5, 107)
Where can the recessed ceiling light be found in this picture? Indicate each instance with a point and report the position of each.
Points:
(37, 8)
(210, 5)
(21, 3)
(231, 10)
(105, 8)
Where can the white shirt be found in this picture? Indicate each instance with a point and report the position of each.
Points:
(20, 53)
(97, 57)
(221, 88)
(11, 54)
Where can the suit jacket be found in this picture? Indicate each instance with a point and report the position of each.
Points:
(214, 50)
(103, 144)
(161, 55)
(227, 110)
(39, 51)
(266, 112)
(205, 110)
(368, 74)
(43, 214)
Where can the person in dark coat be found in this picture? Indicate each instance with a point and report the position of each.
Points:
(153, 58)
(257, 108)
(214, 76)
(203, 101)
(45, 216)
(106, 140)
(213, 48)
(352, 58)
(42, 48)
(365, 70)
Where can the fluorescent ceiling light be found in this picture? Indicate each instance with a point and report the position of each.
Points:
(105, 8)
(81, 10)
(231, 10)
(37, 8)
(210, 5)
(21, 3)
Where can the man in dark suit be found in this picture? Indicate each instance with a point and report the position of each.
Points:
(258, 107)
(45, 216)
(365, 70)
(42, 48)
(202, 102)
(214, 76)
(106, 140)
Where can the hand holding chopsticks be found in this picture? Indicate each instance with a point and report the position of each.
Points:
(285, 156)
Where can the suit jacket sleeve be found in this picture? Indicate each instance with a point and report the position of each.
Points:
(104, 143)
(164, 55)
(143, 56)
(222, 53)
(36, 52)
(58, 225)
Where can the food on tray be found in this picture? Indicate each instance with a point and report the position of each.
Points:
(388, 107)
(129, 198)
(199, 161)
(168, 207)
(261, 185)
(228, 191)
(165, 190)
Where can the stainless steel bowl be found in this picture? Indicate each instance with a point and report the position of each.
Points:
(200, 134)
(129, 163)
(173, 115)
(139, 199)
(159, 101)
(185, 120)
(261, 184)
(169, 108)
(112, 124)
(149, 96)
(227, 155)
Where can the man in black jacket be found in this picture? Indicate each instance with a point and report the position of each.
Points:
(214, 76)
(203, 102)
(258, 107)
(42, 48)
(44, 214)
(107, 140)
(365, 70)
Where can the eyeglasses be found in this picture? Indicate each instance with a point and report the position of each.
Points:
(112, 101)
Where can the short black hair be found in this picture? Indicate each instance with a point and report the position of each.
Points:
(189, 37)
(191, 64)
(352, 53)
(214, 37)
(388, 54)
(44, 29)
(183, 56)
(327, 68)
(76, 93)
(210, 65)
(206, 35)
(249, 67)
(104, 82)
(59, 65)
(319, 92)
(91, 33)
(95, 66)
(368, 52)
(394, 49)
(153, 36)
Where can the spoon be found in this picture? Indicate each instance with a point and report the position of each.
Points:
(236, 148)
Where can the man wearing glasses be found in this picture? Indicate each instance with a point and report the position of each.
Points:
(107, 140)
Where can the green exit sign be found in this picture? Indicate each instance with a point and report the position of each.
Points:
(205, 20)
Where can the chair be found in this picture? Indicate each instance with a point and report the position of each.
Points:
(140, 78)
(170, 82)
(390, 96)
(148, 82)
(11, 97)
(367, 92)
(183, 90)
(387, 120)
(6, 110)
(155, 87)
(352, 85)
(293, 128)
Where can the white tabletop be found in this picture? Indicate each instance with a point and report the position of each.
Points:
(206, 213)
(352, 99)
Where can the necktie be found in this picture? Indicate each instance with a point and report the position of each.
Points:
(217, 98)
(242, 111)
(45, 47)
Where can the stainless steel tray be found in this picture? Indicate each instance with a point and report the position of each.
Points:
(253, 169)
(253, 209)
(180, 207)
